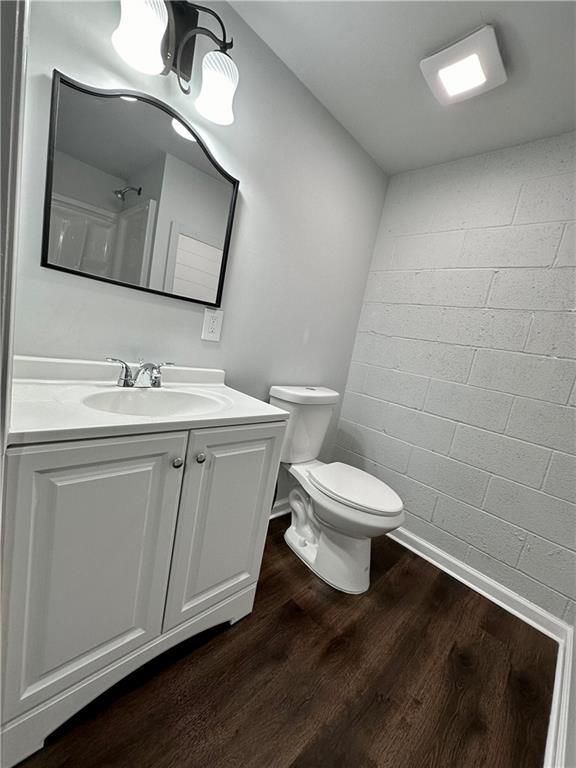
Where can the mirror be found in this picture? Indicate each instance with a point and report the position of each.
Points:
(133, 197)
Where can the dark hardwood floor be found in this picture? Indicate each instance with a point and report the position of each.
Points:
(419, 672)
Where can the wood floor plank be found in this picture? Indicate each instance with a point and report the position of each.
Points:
(419, 672)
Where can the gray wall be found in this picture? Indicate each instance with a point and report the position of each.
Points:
(307, 218)
(13, 25)
(461, 388)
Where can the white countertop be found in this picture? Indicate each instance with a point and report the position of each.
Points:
(51, 409)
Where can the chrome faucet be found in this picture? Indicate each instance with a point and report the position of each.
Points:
(146, 375)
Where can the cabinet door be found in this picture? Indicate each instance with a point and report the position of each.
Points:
(88, 539)
(223, 516)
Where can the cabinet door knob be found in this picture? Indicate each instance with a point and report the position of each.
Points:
(201, 458)
(177, 463)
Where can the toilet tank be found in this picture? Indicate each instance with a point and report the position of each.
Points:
(310, 411)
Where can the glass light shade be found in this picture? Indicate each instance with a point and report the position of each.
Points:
(219, 83)
(181, 130)
(138, 37)
(463, 75)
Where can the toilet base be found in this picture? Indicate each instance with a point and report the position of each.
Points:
(339, 560)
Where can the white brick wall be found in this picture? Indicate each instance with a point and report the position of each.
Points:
(461, 391)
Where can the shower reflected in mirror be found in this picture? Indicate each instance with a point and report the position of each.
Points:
(133, 196)
(121, 193)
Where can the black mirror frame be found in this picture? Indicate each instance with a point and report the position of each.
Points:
(58, 79)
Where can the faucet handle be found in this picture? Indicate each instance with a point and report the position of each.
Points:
(125, 377)
(156, 376)
(154, 371)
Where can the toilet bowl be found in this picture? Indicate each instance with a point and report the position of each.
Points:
(336, 508)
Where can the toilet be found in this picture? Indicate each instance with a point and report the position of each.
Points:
(336, 508)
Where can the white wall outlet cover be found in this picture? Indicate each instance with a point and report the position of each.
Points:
(212, 326)
(463, 70)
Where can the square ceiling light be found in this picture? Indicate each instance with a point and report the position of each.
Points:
(463, 70)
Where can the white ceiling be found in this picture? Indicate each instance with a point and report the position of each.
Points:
(361, 60)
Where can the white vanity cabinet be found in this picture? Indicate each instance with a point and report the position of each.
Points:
(230, 473)
(87, 545)
(114, 551)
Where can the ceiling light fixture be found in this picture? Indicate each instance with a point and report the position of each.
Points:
(462, 76)
(158, 36)
(469, 67)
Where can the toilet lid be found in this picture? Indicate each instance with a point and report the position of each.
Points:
(355, 488)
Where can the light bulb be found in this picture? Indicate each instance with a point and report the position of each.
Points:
(219, 83)
(138, 37)
(181, 130)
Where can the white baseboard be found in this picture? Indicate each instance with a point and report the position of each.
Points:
(281, 507)
(558, 729)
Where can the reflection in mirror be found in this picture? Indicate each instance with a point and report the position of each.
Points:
(133, 197)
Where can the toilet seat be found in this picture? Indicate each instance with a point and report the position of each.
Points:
(354, 488)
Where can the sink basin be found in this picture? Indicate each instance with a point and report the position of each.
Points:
(154, 402)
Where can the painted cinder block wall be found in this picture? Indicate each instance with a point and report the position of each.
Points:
(461, 390)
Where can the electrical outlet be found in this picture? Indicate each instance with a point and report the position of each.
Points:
(212, 327)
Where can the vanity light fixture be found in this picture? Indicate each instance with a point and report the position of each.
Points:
(471, 66)
(181, 130)
(158, 36)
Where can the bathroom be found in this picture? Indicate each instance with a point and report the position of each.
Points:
(339, 528)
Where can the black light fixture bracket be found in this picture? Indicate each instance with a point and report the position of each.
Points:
(179, 40)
